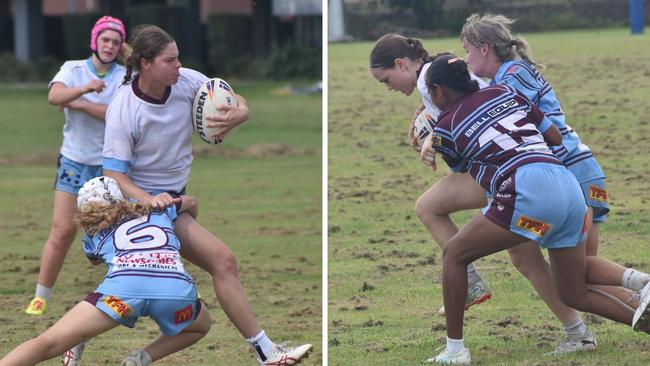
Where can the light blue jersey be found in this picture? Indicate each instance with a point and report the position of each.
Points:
(143, 259)
(575, 155)
(525, 78)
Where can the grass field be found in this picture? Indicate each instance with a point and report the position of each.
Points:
(260, 192)
(384, 269)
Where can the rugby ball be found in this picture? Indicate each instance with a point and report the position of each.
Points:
(212, 93)
(423, 127)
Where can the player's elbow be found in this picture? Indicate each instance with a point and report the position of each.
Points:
(552, 136)
(53, 100)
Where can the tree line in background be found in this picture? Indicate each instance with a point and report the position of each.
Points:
(223, 46)
(430, 18)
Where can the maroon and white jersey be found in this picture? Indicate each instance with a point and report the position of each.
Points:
(490, 133)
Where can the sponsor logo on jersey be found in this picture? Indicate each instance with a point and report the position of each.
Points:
(118, 306)
(536, 227)
(491, 114)
(184, 314)
(512, 69)
(597, 193)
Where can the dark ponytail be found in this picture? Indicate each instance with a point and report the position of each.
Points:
(451, 71)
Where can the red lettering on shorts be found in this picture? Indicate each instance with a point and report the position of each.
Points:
(536, 227)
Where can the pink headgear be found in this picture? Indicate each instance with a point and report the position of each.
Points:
(102, 24)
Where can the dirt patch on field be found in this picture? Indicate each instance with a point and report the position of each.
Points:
(41, 158)
(259, 150)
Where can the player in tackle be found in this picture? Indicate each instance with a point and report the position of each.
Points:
(145, 277)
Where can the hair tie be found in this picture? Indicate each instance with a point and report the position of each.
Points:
(512, 43)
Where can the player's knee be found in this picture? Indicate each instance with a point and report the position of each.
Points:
(422, 209)
(429, 205)
(47, 345)
(225, 262)
(571, 297)
(453, 255)
(61, 236)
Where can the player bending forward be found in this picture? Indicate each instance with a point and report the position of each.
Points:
(145, 278)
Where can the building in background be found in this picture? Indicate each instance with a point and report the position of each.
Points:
(205, 30)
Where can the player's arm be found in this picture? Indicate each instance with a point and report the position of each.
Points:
(551, 133)
(187, 204)
(415, 140)
(94, 109)
(60, 94)
(234, 116)
(131, 190)
(89, 250)
(552, 136)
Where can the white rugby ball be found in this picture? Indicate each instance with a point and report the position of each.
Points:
(212, 93)
(424, 125)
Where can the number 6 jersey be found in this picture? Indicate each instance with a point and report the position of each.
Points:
(143, 258)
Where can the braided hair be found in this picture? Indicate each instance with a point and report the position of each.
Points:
(147, 42)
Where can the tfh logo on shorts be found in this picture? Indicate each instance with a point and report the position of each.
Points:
(118, 306)
(597, 194)
(536, 227)
(183, 315)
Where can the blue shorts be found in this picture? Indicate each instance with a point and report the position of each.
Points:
(542, 202)
(592, 181)
(171, 193)
(596, 196)
(70, 175)
(172, 316)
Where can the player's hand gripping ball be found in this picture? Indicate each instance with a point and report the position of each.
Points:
(211, 94)
(423, 127)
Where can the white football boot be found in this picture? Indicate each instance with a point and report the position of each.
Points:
(641, 320)
(72, 357)
(282, 355)
(137, 358)
(585, 342)
(462, 357)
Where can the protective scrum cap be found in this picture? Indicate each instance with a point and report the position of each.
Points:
(101, 190)
(104, 23)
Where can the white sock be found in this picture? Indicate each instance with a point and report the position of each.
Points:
(574, 328)
(44, 292)
(635, 280)
(261, 344)
(454, 345)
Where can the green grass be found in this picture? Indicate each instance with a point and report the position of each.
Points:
(260, 192)
(384, 269)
